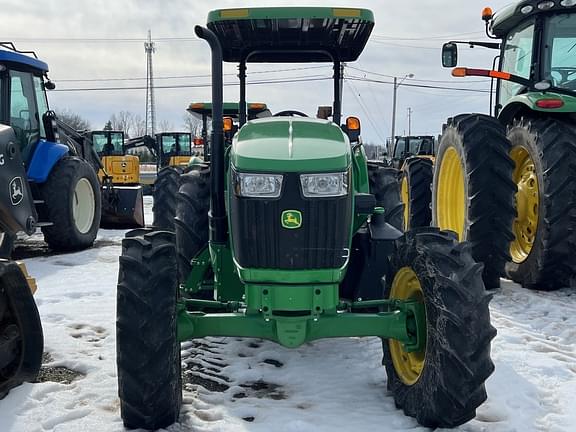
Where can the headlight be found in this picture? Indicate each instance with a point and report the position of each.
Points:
(324, 185)
(258, 185)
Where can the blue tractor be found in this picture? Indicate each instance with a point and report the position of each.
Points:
(47, 177)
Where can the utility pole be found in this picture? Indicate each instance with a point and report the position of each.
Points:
(396, 85)
(394, 112)
(150, 105)
(409, 121)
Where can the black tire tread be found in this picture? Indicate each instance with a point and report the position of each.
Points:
(552, 261)
(148, 353)
(191, 221)
(383, 182)
(164, 203)
(491, 191)
(18, 310)
(459, 333)
(56, 193)
(419, 173)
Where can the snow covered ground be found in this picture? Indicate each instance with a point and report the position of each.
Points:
(328, 385)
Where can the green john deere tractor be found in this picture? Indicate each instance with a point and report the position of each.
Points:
(506, 182)
(168, 179)
(281, 238)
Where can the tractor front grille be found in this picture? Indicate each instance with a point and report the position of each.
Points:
(260, 241)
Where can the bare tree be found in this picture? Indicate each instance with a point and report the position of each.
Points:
(122, 121)
(138, 126)
(132, 124)
(166, 126)
(72, 119)
(192, 125)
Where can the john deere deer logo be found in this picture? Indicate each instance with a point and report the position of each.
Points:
(291, 219)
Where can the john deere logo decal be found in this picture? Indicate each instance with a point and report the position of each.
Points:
(291, 219)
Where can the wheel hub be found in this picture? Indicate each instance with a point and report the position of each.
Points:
(527, 205)
(408, 365)
(451, 203)
(405, 200)
(83, 206)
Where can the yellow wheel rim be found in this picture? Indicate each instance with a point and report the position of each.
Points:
(527, 204)
(405, 199)
(451, 200)
(408, 365)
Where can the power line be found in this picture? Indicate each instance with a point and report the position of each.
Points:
(185, 76)
(411, 79)
(278, 81)
(364, 109)
(405, 84)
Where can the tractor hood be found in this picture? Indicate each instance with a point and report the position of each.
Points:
(290, 144)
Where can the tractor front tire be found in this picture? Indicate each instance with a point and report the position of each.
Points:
(416, 184)
(21, 338)
(383, 183)
(544, 249)
(442, 385)
(165, 190)
(193, 204)
(473, 192)
(147, 348)
(73, 203)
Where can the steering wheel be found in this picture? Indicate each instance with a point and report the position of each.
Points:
(565, 72)
(290, 113)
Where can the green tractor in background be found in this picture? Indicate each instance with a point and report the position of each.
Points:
(507, 182)
(281, 238)
(168, 180)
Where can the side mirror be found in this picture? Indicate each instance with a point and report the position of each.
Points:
(49, 85)
(352, 129)
(449, 55)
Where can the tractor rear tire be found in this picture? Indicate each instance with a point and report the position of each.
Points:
(73, 203)
(21, 338)
(545, 255)
(442, 385)
(473, 192)
(147, 348)
(193, 204)
(384, 186)
(165, 190)
(416, 184)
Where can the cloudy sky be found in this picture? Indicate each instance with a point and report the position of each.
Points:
(101, 42)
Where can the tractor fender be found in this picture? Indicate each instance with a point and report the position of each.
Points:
(46, 156)
(17, 211)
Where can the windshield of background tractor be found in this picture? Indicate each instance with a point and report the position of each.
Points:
(559, 55)
(103, 146)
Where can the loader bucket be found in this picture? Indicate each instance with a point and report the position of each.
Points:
(122, 207)
(21, 338)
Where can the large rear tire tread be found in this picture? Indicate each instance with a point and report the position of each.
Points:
(148, 352)
(481, 143)
(21, 337)
(457, 362)
(58, 195)
(551, 263)
(419, 173)
(165, 191)
(193, 204)
(384, 186)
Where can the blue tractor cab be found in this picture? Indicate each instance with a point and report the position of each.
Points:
(54, 186)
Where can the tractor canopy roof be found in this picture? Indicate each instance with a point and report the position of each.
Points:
(512, 15)
(229, 108)
(291, 34)
(11, 55)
